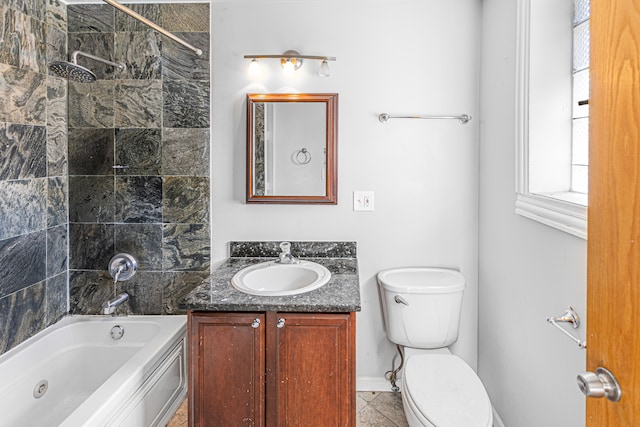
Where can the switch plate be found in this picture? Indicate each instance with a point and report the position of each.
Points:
(363, 201)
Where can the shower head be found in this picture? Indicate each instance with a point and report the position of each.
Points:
(77, 73)
(71, 71)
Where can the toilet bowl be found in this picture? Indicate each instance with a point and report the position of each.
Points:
(422, 308)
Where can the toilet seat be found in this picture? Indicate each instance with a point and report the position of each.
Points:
(444, 391)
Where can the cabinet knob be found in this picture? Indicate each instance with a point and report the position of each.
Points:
(255, 323)
(280, 323)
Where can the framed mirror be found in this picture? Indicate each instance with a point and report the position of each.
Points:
(292, 148)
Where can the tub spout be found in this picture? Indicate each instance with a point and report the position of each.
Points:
(110, 306)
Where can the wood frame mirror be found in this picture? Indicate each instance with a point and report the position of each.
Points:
(292, 142)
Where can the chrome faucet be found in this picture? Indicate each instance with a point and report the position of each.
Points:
(110, 306)
(285, 256)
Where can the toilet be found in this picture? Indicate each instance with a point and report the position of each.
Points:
(422, 308)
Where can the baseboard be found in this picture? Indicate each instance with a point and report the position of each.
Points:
(497, 421)
(373, 384)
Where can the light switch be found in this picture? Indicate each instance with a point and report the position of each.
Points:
(363, 201)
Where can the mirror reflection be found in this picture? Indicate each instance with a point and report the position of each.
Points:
(291, 148)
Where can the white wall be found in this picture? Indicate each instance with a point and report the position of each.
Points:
(418, 56)
(527, 271)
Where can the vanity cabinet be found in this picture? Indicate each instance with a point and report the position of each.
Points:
(272, 369)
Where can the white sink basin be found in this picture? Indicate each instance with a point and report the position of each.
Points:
(275, 279)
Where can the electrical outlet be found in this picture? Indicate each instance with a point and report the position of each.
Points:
(363, 201)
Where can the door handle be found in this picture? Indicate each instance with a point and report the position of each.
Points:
(601, 384)
(256, 323)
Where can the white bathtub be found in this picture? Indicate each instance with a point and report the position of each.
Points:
(92, 379)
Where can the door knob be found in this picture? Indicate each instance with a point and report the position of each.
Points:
(256, 323)
(600, 384)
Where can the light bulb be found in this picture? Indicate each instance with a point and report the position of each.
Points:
(254, 67)
(324, 69)
(288, 68)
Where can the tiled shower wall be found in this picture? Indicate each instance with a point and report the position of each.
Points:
(139, 156)
(33, 170)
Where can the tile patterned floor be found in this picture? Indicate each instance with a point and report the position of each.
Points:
(375, 409)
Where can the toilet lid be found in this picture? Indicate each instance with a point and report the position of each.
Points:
(446, 391)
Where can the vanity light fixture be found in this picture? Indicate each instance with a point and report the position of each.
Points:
(290, 62)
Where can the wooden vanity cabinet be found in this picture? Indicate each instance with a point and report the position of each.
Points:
(272, 369)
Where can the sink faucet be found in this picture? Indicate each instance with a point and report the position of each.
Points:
(285, 256)
(110, 306)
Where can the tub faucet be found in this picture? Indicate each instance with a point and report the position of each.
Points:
(110, 306)
(285, 256)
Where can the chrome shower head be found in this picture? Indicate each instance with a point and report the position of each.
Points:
(71, 71)
(77, 73)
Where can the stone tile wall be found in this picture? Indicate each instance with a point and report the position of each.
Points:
(139, 156)
(33, 170)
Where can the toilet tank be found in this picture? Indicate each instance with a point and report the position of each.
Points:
(421, 305)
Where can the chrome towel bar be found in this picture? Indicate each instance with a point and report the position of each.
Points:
(464, 118)
(571, 317)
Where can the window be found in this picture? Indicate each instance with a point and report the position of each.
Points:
(552, 113)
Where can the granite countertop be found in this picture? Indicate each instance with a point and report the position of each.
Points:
(340, 294)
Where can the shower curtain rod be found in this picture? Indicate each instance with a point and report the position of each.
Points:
(156, 27)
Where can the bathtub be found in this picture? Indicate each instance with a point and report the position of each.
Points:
(96, 371)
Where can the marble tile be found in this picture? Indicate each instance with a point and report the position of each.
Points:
(89, 290)
(145, 293)
(186, 104)
(22, 207)
(90, 18)
(91, 246)
(176, 285)
(56, 15)
(180, 63)
(181, 417)
(139, 199)
(179, 17)
(186, 199)
(56, 298)
(92, 105)
(56, 46)
(126, 23)
(22, 40)
(33, 8)
(141, 52)
(143, 241)
(24, 150)
(56, 250)
(185, 152)
(380, 409)
(390, 405)
(22, 315)
(57, 206)
(56, 126)
(91, 151)
(97, 44)
(23, 262)
(138, 103)
(186, 247)
(24, 96)
(91, 199)
(139, 150)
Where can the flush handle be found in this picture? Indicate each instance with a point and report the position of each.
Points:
(600, 384)
(398, 299)
(256, 323)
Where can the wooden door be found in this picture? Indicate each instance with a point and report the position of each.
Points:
(613, 290)
(226, 379)
(314, 370)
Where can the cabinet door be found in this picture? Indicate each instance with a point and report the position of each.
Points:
(315, 369)
(227, 369)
